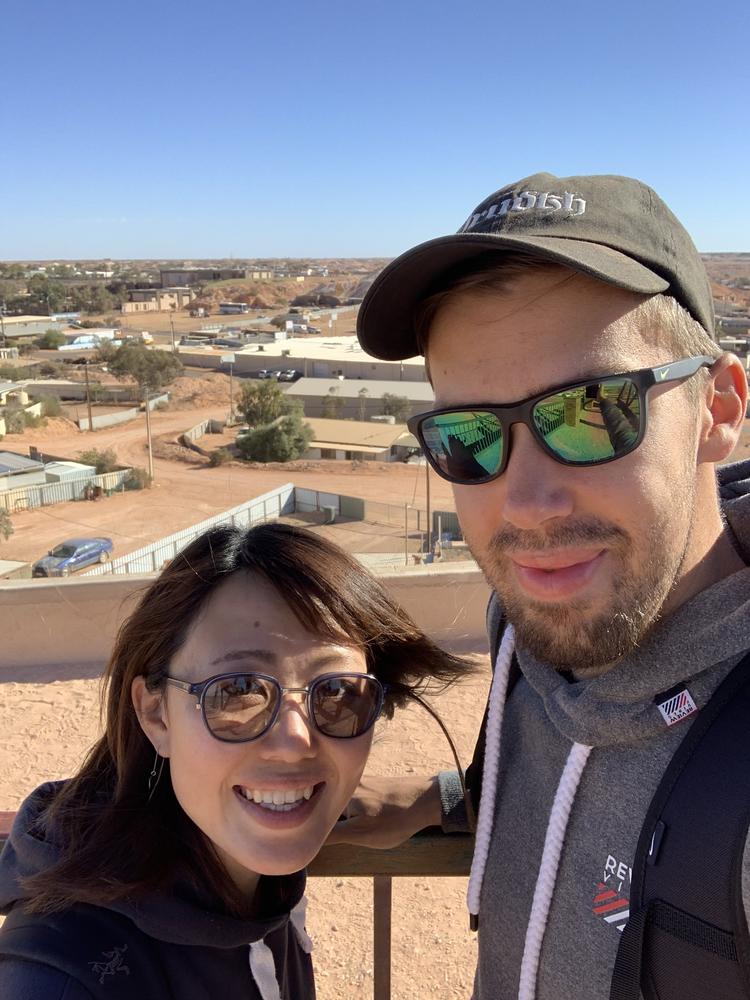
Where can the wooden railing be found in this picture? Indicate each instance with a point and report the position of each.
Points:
(431, 853)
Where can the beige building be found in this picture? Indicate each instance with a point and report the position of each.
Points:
(158, 299)
(359, 440)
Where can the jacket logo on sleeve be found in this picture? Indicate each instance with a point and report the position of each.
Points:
(676, 707)
(112, 965)
(610, 902)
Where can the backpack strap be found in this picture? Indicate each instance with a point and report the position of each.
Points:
(101, 950)
(688, 926)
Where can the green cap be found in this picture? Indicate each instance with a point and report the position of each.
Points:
(615, 229)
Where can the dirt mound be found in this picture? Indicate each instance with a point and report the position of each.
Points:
(54, 427)
(197, 393)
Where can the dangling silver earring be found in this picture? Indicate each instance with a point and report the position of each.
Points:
(155, 775)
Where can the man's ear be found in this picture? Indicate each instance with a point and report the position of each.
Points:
(725, 408)
(151, 709)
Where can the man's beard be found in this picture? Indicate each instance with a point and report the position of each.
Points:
(569, 636)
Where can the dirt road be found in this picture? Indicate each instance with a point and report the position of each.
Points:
(184, 493)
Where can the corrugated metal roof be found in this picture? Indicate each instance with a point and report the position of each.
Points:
(10, 462)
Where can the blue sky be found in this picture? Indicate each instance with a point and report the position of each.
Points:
(321, 129)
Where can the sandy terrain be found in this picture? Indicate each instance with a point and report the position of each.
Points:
(49, 722)
(187, 492)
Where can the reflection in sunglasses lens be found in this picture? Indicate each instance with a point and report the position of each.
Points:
(466, 446)
(241, 708)
(592, 422)
(345, 706)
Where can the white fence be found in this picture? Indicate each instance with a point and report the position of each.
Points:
(44, 495)
(110, 419)
(152, 557)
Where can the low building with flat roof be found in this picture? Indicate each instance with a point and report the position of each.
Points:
(17, 470)
(30, 326)
(323, 357)
(360, 398)
(359, 440)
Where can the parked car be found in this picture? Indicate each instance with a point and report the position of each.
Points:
(290, 375)
(313, 329)
(72, 555)
(265, 373)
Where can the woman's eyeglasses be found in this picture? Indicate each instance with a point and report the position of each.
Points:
(241, 707)
(583, 423)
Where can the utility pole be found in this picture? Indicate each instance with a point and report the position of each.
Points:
(429, 525)
(148, 437)
(88, 395)
(171, 328)
(406, 534)
(228, 359)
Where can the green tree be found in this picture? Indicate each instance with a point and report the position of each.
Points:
(152, 370)
(45, 295)
(51, 340)
(6, 526)
(263, 401)
(283, 440)
(332, 404)
(397, 406)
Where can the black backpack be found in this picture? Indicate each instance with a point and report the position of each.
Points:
(687, 937)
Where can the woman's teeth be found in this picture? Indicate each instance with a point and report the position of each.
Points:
(277, 801)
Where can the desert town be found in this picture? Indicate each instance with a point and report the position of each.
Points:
(127, 430)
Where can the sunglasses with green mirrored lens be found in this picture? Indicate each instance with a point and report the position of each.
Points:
(582, 423)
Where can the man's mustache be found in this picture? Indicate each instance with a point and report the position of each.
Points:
(583, 531)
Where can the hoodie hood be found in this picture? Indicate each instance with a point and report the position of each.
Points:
(182, 914)
(696, 646)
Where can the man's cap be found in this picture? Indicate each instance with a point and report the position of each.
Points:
(612, 228)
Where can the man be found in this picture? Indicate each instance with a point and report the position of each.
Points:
(582, 406)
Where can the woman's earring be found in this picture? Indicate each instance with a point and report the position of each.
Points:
(155, 775)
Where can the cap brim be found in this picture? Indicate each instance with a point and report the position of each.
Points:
(385, 324)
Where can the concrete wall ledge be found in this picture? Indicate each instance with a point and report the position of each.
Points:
(70, 624)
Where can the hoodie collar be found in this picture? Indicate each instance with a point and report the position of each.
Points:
(696, 647)
(181, 914)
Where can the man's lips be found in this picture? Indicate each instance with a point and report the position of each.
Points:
(557, 575)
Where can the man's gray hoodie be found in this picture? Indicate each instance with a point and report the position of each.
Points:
(616, 714)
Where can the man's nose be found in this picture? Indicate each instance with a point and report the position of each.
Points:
(536, 487)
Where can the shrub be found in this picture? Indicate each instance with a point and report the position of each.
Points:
(138, 479)
(103, 461)
(220, 457)
(51, 340)
(6, 526)
(14, 421)
(282, 441)
(51, 406)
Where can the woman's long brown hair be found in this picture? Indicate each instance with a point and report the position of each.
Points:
(113, 841)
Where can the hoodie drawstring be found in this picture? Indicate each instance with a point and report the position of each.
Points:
(262, 965)
(556, 827)
(545, 883)
(486, 816)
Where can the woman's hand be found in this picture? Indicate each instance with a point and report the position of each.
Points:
(384, 812)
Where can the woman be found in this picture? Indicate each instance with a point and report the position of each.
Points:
(240, 700)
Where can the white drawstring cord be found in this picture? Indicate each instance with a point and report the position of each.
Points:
(262, 965)
(486, 816)
(263, 969)
(545, 883)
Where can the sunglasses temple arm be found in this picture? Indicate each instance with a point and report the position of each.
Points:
(471, 815)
